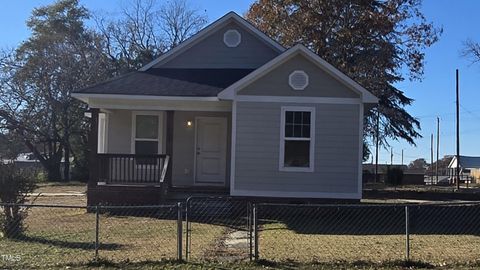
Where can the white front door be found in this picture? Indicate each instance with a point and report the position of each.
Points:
(210, 150)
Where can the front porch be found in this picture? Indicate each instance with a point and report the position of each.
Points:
(128, 169)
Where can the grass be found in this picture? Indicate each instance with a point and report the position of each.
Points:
(64, 236)
(175, 265)
(278, 243)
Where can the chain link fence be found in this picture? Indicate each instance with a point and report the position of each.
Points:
(228, 229)
(439, 234)
(56, 235)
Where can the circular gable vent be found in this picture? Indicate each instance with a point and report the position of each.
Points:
(298, 80)
(232, 38)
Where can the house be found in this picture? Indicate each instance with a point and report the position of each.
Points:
(228, 111)
(469, 169)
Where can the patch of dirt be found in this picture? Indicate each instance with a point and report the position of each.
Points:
(233, 246)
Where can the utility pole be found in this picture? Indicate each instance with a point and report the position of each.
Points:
(438, 145)
(457, 171)
(431, 158)
(402, 157)
(391, 156)
(377, 143)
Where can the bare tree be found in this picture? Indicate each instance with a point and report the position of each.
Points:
(179, 22)
(145, 30)
(471, 50)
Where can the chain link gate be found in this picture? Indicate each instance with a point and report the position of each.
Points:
(218, 228)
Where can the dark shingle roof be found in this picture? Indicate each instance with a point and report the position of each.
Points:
(170, 82)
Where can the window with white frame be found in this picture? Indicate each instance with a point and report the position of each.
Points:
(146, 134)
(297, 139)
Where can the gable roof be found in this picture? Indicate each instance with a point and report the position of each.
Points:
(210, 29)
(169, 82)
(465, 162)
(230, 92)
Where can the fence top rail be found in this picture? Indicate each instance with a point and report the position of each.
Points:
(356, 205)
(43, 205)
(91, 207)
(136, 206)
(399, 205)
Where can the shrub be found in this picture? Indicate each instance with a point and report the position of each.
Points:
(40, 176)
(15, 185)
(394, 176)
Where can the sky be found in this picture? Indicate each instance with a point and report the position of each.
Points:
(434, 96)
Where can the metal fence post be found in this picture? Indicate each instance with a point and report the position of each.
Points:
(187, 231)
(179, 231)
(255, 230)
(97, 231)
(250, 230)
(407, 235)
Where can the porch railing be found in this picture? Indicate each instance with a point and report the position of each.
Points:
(132, 168)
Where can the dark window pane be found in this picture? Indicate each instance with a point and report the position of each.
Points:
(297, 153)
(146, 127)
(306, 131)
(289, 117)
(297, 117)
(146, 148)
(288, 130)
(297, 131)
(306, 118)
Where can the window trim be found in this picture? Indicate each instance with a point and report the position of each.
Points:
(102, 133)
(161, 130)
(281, 158)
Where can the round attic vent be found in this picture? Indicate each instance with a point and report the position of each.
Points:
(298, 80)
(232, 38)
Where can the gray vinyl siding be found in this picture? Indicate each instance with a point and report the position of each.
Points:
(336, 161)
(211, 52)
(119, 132)
(184, 146)
(321, 84)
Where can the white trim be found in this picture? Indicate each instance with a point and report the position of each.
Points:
(296, 99)
(233, 147)
(195, 183)
(232, 45)
(164, 108)
(230, 92)
(295, 194)
(281, 156)
(160, 133)
(102, 133)
(85, 97)
(301, 72)
(164, 105)
(206, 31)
